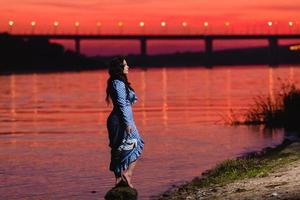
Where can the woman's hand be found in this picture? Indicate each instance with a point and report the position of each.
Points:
(128, 129)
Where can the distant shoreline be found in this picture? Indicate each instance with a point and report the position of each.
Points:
(49, 71)
(41, 56)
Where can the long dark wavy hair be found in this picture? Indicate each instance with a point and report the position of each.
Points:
(115, 70)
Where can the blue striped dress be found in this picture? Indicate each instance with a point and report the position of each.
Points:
(125, 148)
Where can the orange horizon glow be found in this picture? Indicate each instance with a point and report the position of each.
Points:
(217, 27)
(89, 13)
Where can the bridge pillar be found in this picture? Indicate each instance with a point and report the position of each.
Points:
(208, 51)
(143, 47)
(273, 50)
(77, 45)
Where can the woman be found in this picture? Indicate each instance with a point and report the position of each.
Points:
(124, 139)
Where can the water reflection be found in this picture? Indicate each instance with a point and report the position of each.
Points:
(271, 84)
(291, 74)
(143, 97)
(13, 103)
(35, 99)
(165, 98)
(228, 91)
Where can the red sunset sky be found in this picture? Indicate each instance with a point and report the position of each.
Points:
(244, 17)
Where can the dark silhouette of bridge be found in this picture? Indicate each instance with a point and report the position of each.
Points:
(208, 39)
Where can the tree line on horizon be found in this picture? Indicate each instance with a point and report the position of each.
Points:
(39, 54)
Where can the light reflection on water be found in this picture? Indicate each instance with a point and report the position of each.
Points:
(53, 128)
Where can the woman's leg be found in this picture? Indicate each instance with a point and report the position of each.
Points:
(118, 179)
(128, 173)
(131, 168)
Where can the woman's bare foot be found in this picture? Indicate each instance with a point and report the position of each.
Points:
(118, 180)
(127, 178)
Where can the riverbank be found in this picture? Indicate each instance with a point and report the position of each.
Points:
(273, 173)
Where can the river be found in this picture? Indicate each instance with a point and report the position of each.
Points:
(53, 137)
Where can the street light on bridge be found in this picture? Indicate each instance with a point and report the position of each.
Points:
(291, 24)
(185, 26)
(55, 24)
(120, 25)
(227, 25)
(33, 24)
(10, 24)
(270, 24)
(142, 25)
(77, 24)
(98, 24)
(273, 24)
(163, 24)
(205, 24)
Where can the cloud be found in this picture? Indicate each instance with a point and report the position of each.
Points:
(63, 4)
(87, 3)
(285, 8)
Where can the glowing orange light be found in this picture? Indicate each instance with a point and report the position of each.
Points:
(270, 23)
(294, 48)
(77, 24)
(120, 24)
(227, 23)
(33, 23)
(99, 24)
(55, 23)
(11, 23)
(163, 24)
(184, 24)
(291, 23)
(205, 24)
(142, 24)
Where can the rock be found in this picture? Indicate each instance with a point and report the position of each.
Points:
(189, 198)
(238, 190)
(122, 192)
(274, 194)
(201, 193)
(213, 189)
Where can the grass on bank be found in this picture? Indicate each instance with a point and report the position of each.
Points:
(252, 165)
(280, 110)
(256, 164)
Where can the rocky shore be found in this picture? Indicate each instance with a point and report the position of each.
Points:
(273, 173)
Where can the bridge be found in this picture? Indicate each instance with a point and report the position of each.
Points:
(208, 39)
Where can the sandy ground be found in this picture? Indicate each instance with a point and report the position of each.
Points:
(282, 183)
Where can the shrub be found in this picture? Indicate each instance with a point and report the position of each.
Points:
(282, 110)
